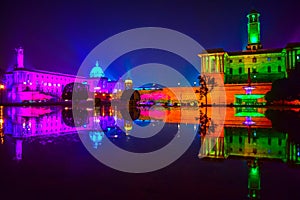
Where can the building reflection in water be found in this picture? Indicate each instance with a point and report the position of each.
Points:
(1, 125)
(247, 134)
(252, 139)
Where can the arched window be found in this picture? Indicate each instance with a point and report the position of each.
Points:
(254, 59)
(269, 69)
(240, 70)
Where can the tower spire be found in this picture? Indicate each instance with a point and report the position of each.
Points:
(20, 57)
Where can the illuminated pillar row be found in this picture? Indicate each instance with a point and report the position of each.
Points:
(291, 59)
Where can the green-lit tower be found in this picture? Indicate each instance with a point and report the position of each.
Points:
(253, 31)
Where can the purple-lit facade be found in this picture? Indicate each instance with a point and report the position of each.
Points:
(24, 84)
(29, 122)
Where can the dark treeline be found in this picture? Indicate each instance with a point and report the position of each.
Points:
(285, 121)
(285, 89)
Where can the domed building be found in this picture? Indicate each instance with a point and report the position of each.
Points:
(100, 83)
(97, 71)
(31, 85)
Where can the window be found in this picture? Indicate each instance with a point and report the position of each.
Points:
(279, 58)
(230, 61)
(269, 69)
(269, 59)
(254, 59)
(254, 70)
(240, 60)
(240, 139)
(230, 70)
(279, 142)
(254, 150)
(240, 70)
(279, 68)
(230, 139)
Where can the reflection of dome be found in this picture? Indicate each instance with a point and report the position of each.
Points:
(96, 137)
(97, 71)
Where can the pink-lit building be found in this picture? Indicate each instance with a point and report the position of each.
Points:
(23, 84)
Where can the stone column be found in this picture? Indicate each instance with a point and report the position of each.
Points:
(287, 60)
(209, 67)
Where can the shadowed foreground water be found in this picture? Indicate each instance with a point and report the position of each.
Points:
(54, 164)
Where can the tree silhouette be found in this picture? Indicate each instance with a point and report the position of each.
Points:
(286, 88)
(207, 84)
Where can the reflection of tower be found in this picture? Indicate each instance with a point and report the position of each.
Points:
(128, 84)
(253, 179)
(19, 149)
(253, 31)
(20, 57)
(1, 125)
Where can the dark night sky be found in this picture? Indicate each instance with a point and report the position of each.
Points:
(58, 35)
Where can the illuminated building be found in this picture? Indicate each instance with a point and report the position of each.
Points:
(265, 65)
(23, 84)
(252, 141)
